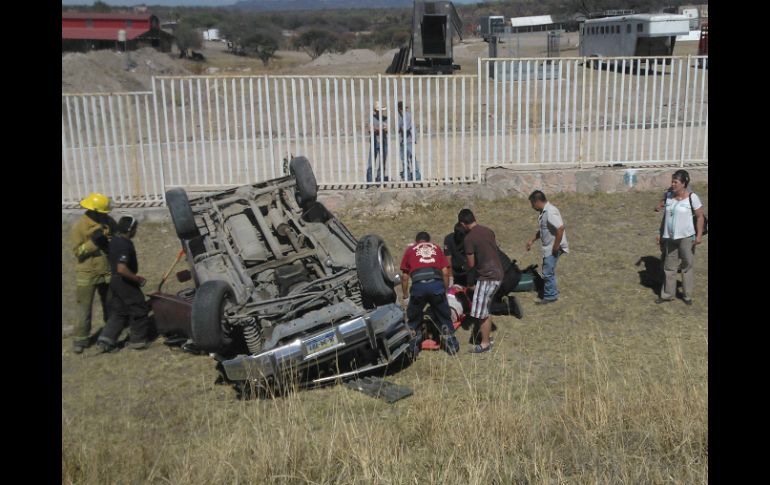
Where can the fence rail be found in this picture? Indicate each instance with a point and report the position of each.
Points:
(204, 132)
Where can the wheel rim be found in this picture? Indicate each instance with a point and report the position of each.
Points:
(387, 265)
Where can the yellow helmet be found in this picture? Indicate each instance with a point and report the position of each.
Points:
(97, 202)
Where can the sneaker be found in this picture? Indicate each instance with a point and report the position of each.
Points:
(688, 302)
(478, 349)
(543, 301)
(106, 348)
(452, 346)
(138, 345)
(78, 349)
(663, 300)
(430, 344)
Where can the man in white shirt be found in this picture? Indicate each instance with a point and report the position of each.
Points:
(553, 240)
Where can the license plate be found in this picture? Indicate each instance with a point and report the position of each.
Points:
(321, 342)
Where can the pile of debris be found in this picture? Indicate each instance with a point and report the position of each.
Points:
(111, 71)
(353, 56)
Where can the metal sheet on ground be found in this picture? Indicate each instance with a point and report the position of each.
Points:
(379, 388)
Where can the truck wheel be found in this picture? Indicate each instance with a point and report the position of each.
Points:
(181, 214)
(307, 188)
(207, 311)
(376, 271)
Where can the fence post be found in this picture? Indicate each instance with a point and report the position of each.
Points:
(478, 120)
(582, 116)
(160, 145)
(684, 113)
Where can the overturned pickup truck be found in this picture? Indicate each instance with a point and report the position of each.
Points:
(283, 291)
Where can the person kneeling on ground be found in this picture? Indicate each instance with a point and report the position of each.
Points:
(425, 264)
(455, 254)
(126, 300)
(502, 303)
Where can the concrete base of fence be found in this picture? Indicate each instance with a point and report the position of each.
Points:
(588, 180)
(500, 183)
(503, 182)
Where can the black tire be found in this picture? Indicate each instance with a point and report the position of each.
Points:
(376, 271)
(181, 214)
(307, 188)
(207, 312)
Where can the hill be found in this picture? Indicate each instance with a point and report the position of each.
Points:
(284, 5)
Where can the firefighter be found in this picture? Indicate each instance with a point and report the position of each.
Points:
(89, 242)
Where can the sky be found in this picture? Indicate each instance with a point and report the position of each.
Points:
(168, 3)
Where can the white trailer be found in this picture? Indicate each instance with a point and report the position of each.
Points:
(211, 34)
(632, 35)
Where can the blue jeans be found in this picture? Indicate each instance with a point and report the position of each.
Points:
(549, 276)
(412, 173)
(431, 293)
(377, 154)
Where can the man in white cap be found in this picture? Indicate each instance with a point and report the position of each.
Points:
(378, 133)
(89, 243)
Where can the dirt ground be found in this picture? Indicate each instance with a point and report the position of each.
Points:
(603, 386)
(104, 71)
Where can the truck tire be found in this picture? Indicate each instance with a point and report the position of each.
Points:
(376, 271)
(307, 188)
(207, 312)
(181, 214)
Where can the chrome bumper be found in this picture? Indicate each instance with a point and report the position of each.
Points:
(383, 329)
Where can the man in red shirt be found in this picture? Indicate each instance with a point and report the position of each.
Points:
(426, 266)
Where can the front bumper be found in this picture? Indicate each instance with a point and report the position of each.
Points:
(383, 329)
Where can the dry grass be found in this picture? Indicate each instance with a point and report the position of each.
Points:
(601, 387)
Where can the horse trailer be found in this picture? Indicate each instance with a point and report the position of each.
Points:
(632, 35)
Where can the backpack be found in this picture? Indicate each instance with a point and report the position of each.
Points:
(695, 219)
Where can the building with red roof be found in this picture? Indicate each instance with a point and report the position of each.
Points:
(89, 31)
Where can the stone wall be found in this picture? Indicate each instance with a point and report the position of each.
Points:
(500, 182)
(503, 182)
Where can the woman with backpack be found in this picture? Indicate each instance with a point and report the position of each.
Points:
(681, 230)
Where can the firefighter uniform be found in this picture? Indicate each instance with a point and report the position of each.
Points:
(92, 273)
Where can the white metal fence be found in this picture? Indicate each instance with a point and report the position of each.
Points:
(227, 131)
(581, 112)
(212, 132)
(110, 144)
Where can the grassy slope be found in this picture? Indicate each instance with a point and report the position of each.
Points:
(601, 387)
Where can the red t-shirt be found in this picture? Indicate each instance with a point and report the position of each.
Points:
(423, 255)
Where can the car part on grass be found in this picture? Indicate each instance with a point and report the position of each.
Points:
(379, 388)
(283, 290)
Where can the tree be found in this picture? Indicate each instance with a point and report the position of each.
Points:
(101, 7)
(260, 45)
(315, 42)
(187, 38)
